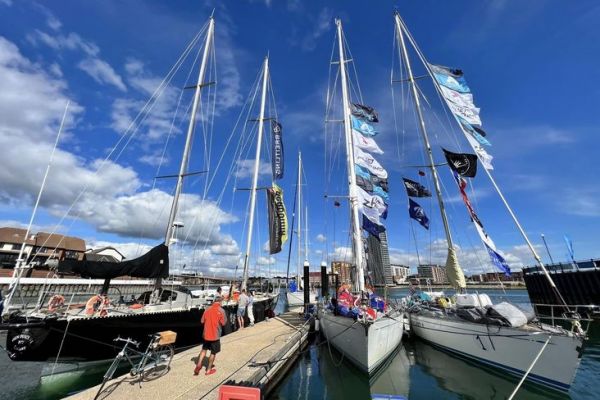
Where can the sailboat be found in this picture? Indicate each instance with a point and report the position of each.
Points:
(545, 354)
(295, 292)
(66, 332)
(369, 338)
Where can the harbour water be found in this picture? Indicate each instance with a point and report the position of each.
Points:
(416, 371)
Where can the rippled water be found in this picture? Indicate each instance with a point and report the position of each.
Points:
(420, 371)
(417, 371)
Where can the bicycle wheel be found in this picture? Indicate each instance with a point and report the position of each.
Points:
(159, 363)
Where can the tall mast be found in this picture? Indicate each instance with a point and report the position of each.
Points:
(20, 265)
(489, 174)
(299, 230)
(460, 281)
(261, 120)
(190, 132)
(356, 233)
(306, 233)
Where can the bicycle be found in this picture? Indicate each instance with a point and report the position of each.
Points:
(154, 363)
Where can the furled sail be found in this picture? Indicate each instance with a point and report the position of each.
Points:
(153, 264)
(277, 219)
(453, 270)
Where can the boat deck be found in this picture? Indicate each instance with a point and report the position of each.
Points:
(256, 355)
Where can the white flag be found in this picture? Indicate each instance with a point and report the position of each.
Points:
(366, 143)
(484, 157)
(461, 99)
(367, 200)
(469, 114)
(367, 161)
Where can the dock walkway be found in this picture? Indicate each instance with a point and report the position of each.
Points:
(258, 355)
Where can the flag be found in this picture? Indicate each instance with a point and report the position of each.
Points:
(381, 193)
(362, 126)
(277, 150)
(474, 131)
(450, 78)
(461, 99)
(484, 157)
(366, 143)
(462, 184)
(463, 163)
(365, 112)
(417, 213)
(498, 260)
(570, 248)
(372, 227)
(372, 201)
(469, 114)
(415, 189)
(367, 161)
(277, 219)
(364, 183)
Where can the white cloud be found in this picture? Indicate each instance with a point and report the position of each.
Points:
(7, 3)
(245, 168)
(321, 25)
(154, 159)
(71, 41)
(265, 260)
(321, 238)
(102, 72)
(53, 22)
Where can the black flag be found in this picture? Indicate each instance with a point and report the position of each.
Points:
(365, 112)
(415, 189)
(277, 150)
(463, 163)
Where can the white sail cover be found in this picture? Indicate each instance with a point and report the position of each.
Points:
(366, 143)
(453, 271)
(367, 161)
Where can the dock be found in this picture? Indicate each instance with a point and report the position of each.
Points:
(255, 356)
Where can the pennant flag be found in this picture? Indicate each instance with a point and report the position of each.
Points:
(469, 114)
(364, 183)
(450, 78)
(372, 227)
(277, 219)
(415, 189)
(460, 99)
(367, 161)
(484, 157)
(498, 260)
(372, 201)
(365, 112)
(366, 143)
(462, 184)
(474, 131)
(463, 163)
(362, 126)
(417, 213)
(277, 150)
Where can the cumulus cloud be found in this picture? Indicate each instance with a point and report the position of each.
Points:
(321, 25)
(321, 238)
(245, 168)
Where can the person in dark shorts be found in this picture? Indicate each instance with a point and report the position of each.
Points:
(213, 320)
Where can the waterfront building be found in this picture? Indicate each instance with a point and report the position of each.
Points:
(399, 273)
(378, 260)
(435, 273)
(344, 271)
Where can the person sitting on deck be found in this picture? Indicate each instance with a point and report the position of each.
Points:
(213, 320)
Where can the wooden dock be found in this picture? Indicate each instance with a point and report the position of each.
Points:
(258, 356)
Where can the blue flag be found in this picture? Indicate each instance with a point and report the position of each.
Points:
(417, 213)
(498, 260)
(381, 193)
(371, 227)
(474, 132)
(450, 78)
(362, 126)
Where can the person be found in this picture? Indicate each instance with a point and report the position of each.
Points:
(213, 320)
(250, 308)
(241, 311)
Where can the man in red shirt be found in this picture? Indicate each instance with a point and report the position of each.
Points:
(213, 319)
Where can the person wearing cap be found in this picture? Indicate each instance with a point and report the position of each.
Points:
(213, 320)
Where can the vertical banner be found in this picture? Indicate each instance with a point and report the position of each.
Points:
(277, 150)
(277, 219)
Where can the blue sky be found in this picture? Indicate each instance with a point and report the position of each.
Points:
(531, 66)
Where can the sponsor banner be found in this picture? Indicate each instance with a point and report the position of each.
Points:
(372, 201)
(474, 131)
(277, 150)
(450, 78)
(278, 230)
(367, 161)
(362, 126)
(367, 143)
(460, 99)
(484, 157)
(469, 114)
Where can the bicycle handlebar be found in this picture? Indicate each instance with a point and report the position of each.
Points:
(128, 340)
